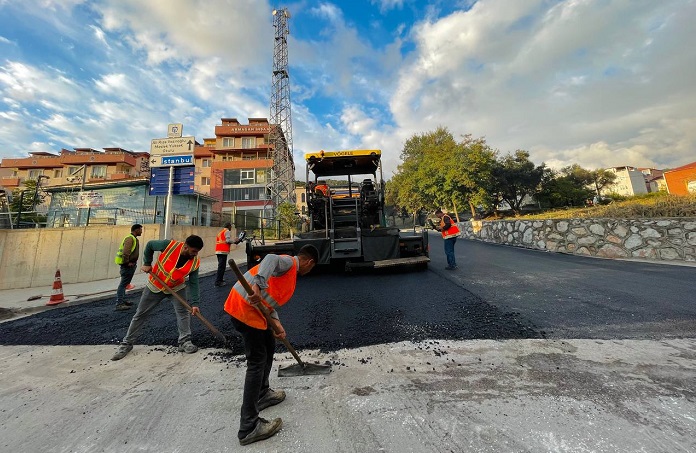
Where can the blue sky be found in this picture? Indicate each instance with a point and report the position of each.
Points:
(595, 82)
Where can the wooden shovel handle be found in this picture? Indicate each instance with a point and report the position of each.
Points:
(186, 305)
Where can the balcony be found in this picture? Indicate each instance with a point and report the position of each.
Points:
(10, 181)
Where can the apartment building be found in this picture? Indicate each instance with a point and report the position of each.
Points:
(74, 167)
(235, 166)
(681, 180)
(654, 179)
(629, 181)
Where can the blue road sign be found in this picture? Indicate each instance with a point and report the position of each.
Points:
(182, 182)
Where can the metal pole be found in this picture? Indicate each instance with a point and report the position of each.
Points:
(168, 212)
(82, 189)
(19, 210)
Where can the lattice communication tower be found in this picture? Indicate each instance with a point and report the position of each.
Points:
(281, 183)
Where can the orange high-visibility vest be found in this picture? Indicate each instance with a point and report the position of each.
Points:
(165, 267)
(452, 231)
(221, 244)
(280, 290)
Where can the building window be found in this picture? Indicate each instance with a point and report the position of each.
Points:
(205, 181)
(205, 162)
(230, 178)
(98, 172)
(248, 142)
(244, 194)
(34, 174)
(261, 176)
(302, 196)
(57, 173)
(266, 139)
(72, 171)
(247, 177)
(228, 142)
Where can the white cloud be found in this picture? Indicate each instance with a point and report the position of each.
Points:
(580, 82)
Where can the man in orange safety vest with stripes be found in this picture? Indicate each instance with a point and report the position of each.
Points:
(273, 282)
(176, 262)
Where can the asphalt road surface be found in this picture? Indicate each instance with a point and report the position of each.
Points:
(497, 293)
(598, 356)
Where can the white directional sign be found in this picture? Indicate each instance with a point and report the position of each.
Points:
(172, 146)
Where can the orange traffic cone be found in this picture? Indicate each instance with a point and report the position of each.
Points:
(57, 296)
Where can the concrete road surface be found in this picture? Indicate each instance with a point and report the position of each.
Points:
(432, 396)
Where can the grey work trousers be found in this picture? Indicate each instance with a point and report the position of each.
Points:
(148, 302)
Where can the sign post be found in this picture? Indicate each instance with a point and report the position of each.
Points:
(168, 210)
(173, 151)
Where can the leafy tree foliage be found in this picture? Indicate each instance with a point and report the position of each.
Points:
(32, 197)
(439, 171)
(569, 187)
(515, 177)
(601, 179)
(287, 217)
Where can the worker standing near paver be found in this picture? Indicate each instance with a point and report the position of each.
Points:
(273, 282)
(127, 259)
(450, 233)
(176, 261)
(222, 250)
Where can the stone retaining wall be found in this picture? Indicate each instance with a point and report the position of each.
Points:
(661, 240)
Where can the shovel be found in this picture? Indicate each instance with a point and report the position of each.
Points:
(219, 335)
(301, 368)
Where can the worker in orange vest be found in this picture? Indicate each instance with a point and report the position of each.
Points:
(222, 250)
(322, 189)
(176, 262)
(450, 233)
(273, 282)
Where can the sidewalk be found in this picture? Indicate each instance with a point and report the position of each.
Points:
(15, 302)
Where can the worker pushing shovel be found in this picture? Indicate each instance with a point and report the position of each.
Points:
(255, 317)
(176, 262)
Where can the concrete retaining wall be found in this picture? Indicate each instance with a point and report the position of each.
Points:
(29, 258)
(660, 240)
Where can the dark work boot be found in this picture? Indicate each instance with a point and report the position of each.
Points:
(271, 398)
(263, 430)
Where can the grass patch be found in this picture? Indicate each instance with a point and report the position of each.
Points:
(653, 205)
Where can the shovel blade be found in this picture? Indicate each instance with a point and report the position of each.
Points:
(309, 369)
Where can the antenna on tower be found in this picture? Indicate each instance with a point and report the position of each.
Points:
(280, 183)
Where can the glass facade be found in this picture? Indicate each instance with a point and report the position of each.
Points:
(126, 205)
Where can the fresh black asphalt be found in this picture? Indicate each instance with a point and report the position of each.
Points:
(497, 293)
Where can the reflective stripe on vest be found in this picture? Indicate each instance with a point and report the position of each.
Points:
(221, 244)
(165, 267)
(452, 231)
(280, 290)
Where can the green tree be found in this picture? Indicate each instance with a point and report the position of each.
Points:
(468, 174)
(437, 170)
(33, 196)
(288, 218)
(602, 178)
(515, 177)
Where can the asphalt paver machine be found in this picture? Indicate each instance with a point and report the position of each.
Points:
(346, 219)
